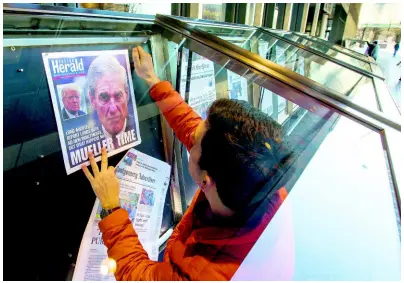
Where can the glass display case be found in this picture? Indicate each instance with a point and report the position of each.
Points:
(338, 47)
(331, 53)
(333, 108)
(33, 163)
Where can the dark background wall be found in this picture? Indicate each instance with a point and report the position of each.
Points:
(46, 211)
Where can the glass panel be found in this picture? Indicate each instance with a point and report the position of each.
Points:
(338, 47)
(150, 8)
(318, 137)
(322, 218)
(136, 8)
(197, 21)
(21, 30)
(106, 6)
(26, 98)
(237, 86)
(377, 70)
(328, 170)
(363, 94)
(212, 12)
(330, 52)
(387, 101)
(298, 60)
(208, 82)
(319, 69)
(276, 12)
(267, 99)
(235, 35)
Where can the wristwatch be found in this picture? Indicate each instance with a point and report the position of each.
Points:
(105, 212)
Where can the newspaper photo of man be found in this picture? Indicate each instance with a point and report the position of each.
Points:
(71, 96)
(97, 88)
(109, 96)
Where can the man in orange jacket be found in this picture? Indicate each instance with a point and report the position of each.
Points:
(237, 157)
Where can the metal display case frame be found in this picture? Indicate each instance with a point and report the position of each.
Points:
(263, 71)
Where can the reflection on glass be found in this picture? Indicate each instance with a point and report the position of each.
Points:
(201, 74)
(270, 103)
(363, 94)
(305, 129)
(136, 8)
(276, 12)
(327, 50)
(282, 115)
(236, 35)
(319, 69)
(266, 50)
(266, 102)
(27, 100)
(324, 215)
(336, 46)
(212, 12)
(52, 30)
(345, 165)
(376, 70)
(237, 86)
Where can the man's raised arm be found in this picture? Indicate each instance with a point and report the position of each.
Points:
(180, 116)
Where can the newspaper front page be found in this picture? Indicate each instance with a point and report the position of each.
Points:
(143, 186)
(237, 86)
(94, 103)
(202, 90)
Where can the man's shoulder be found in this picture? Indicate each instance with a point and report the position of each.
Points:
(64, 114)
(81, 113)
(130, 123)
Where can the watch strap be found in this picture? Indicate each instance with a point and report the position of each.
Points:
(106, 212)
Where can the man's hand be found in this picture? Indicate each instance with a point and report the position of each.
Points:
(143, 64)
(105, 183)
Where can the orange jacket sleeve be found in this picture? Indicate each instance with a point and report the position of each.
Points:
(180, 116)
(183, 120)
(132, 260)
(118, 233)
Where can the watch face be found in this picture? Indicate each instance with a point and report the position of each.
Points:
(103, 213)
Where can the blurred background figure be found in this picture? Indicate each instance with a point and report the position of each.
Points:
(396, 47)
(374, 49)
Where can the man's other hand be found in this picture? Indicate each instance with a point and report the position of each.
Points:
(105, 183)
(143, 64)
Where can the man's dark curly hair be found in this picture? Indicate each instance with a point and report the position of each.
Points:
(242, 151)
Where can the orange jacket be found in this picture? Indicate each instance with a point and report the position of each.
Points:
(202, 247)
